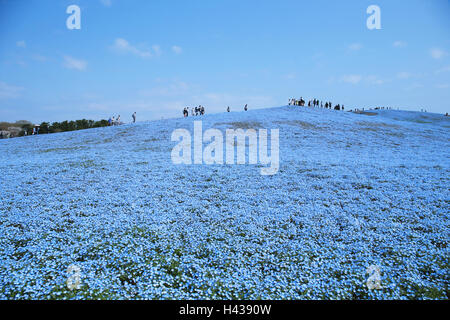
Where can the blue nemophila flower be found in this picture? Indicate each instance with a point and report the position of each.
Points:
(351, 192)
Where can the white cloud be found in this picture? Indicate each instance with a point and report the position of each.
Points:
(38, 57)
(414, 86)
(351, 78)
(355, 46)
(442, 70)
(106, 3)
(123, 46)
(404, 75)
(9, 92)
(399, 44)
(437, 53)
(97, 106)
(290, 76)
(171, 89)
(375, 80)
(357, 79)
(157, 50)
(177, 49)
(76, 64)
(21, 44)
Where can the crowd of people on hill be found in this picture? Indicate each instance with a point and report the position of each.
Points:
(197, 111)
(200, 111)
(328, 105)
(116, 121)
(315, 103)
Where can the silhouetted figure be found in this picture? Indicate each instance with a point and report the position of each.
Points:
(245, 108)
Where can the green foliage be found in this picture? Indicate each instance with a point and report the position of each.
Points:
(44, 127)
(74, 125)
(47, 127)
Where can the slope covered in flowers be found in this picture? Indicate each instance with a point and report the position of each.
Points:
(352, 191)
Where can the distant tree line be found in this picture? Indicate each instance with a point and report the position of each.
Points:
(21, 128)
(46, 127)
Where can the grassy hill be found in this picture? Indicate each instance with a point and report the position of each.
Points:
(352, 191)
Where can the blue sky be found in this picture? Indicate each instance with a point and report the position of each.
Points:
(155, 57)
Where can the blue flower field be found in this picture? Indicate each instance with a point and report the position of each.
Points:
(353, 191)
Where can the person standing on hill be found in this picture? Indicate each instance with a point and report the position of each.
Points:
(228, 109)
(134, 117)
(245, 108)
